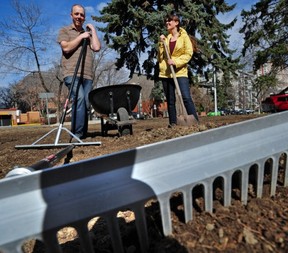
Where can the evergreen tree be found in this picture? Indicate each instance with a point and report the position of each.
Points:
(265, 29)
(262, 85)
(157, 92)
(225, 92)
(133, 28)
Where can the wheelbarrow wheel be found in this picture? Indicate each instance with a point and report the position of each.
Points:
(122, 115)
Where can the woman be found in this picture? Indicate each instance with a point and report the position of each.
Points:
(181, 51)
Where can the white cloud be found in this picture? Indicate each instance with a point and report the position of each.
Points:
(89, 10)
(100, 6)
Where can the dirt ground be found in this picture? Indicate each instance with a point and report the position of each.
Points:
(260, 226)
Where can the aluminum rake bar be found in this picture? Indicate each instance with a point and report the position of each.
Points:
(39, 204)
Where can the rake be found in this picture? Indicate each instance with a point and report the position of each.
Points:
(39, 204)
(37, 144)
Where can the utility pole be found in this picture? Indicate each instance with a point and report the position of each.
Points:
(214, 80)
(215, 91)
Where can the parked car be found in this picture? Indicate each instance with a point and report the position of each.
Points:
(249, 111)
(276, 102)
(214, 114)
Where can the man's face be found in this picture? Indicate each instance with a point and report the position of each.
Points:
(78, 16)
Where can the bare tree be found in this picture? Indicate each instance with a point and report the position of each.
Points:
(23, 41)
(111, 76)
(13, 97)
(105, 72)
(8, 98)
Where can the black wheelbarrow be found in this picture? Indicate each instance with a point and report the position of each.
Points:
(115, 103)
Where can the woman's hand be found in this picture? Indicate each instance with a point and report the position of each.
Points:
(170, 62)
(162, 37)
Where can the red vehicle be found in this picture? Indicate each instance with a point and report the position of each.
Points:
(276, 102)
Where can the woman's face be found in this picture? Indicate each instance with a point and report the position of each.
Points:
(171, 24)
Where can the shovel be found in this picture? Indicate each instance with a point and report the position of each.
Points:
(183, 119)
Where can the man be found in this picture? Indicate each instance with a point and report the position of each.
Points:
(71, 40)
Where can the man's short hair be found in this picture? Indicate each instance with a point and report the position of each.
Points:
(79, 5)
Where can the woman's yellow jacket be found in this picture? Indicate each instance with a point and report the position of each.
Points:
(181, 55)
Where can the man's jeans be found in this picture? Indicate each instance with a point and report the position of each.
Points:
(169, 89)
(80, 104)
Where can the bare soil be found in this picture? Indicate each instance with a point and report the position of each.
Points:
(260, 226)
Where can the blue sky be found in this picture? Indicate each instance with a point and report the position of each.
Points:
(57, 14)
